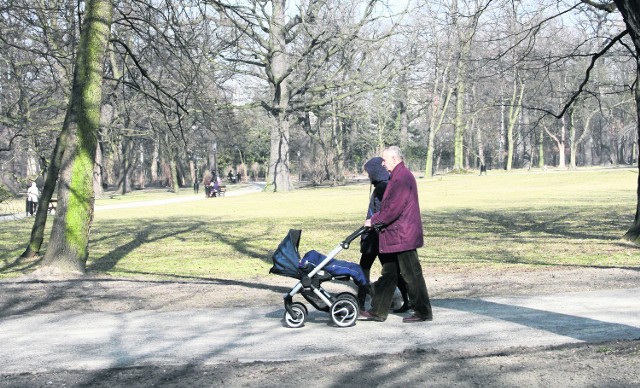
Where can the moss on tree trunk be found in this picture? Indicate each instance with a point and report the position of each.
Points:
(68, 245)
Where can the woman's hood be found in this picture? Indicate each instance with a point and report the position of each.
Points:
(377, 172)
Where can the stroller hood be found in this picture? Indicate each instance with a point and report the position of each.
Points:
(286, 258)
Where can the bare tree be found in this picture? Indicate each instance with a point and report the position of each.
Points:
(68, 245)
(35, 63)
(275, 43)
(630, 11)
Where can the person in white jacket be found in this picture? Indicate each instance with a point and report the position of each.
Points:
(32, 198)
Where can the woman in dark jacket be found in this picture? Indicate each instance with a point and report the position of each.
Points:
(379, 177)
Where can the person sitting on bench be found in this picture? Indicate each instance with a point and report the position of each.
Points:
(215, 188)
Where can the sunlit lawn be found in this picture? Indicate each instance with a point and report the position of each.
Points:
(503, 220)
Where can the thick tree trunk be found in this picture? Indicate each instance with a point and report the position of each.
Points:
(460, 124)
(278, 178)
(97, 173)
(192, 173)
(541, 149)
(403, 114)
(481, 158)
(337, 146)
(465, 41)
(502, 134)
(630, 10)
(437, 116)
(69, 242)
(430, 152)
(562, 161)
(33, 169)
(37, 231)
(141, 180)
(633, 234)
(154, 163)
(125, 166)
(573, 142)
(514, 113)
(173, 166)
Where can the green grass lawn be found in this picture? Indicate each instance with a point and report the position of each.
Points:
(503, 220)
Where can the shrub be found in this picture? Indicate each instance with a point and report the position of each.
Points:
(5, 194)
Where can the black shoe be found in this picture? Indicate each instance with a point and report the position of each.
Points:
(367, 316)
(404, 308)
(416, 318)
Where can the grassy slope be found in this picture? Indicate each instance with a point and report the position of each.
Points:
(501, 220)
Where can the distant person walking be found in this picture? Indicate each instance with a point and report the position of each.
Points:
(400, 236)
(32, 198)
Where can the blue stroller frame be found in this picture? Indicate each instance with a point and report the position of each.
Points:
(343, 307)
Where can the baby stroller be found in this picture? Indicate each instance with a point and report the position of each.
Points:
(312, 270)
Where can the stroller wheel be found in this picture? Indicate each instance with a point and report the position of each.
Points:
(344, 311)
(301, 315)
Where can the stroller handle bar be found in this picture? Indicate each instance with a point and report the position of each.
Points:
(345, 244)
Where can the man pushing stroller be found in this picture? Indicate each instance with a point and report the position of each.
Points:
(400, 234)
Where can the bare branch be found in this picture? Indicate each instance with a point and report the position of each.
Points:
(594, 58)
(145, 74)
(9, 147)
(577, 93)
(608, 6)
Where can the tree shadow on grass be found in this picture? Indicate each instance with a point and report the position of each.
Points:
(527, 222)
(21, 264)
(153, 233)
(541, 230)
(187, 231)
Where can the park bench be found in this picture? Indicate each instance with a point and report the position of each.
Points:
(222, 189)
(53, 203)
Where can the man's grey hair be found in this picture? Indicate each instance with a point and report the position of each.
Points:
(395, 150)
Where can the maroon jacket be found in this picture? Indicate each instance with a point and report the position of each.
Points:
(399, 213)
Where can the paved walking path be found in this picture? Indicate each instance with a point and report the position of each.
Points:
(59, 341)
(252, 188)
(256, 187)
